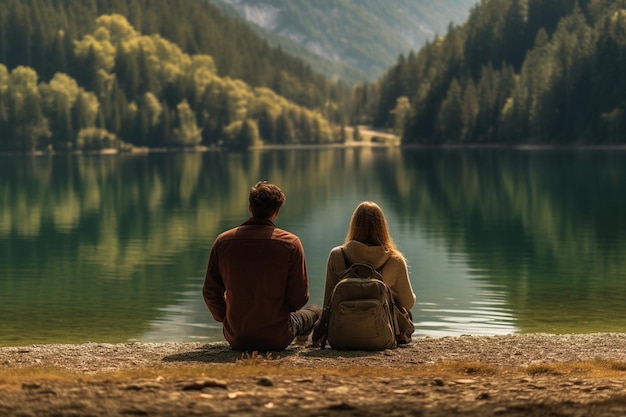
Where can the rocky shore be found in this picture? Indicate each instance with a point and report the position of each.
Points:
(513, 375)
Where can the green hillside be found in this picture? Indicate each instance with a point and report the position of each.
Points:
(535, 71)
(78, 74)
(354, 40)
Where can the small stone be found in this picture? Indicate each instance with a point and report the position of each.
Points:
(265, 382)
(140, 386)
(464, 381)
(483, 396)
(341, 406)
(205, 383)
(439, 382)
(401, 391)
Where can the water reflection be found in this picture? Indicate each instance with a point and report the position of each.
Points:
(545, 227)
(186, 320)
(113, 248)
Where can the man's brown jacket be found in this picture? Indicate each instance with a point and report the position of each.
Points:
(255, 277)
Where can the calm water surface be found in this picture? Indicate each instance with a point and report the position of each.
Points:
(113, 248)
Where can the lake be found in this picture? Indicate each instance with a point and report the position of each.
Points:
(113, 248)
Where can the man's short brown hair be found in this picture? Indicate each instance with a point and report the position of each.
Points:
(265, 198)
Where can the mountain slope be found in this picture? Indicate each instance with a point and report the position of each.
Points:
(517, 72)
(359, 38)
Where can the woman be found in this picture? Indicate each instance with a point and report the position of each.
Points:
(368, 241)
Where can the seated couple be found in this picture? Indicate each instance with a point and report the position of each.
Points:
(256, 282)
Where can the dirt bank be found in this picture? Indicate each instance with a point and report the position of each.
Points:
(518, 375)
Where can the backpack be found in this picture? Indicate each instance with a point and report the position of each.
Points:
(360, 312)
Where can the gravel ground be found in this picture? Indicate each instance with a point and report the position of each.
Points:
(514, 375)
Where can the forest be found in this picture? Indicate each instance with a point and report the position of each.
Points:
(93, 74)
(517, 72)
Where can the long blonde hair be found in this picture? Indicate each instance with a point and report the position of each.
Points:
(368, 225)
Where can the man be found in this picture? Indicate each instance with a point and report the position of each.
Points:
(256, 281)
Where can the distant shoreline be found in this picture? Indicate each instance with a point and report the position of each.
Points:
(521, 147)
(347, 145)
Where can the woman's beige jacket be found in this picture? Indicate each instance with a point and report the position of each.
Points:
(395, 271)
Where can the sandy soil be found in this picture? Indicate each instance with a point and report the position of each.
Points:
(516, 375)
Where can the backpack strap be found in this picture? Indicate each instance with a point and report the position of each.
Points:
(345, 259)
(320, 330)
(380, 270)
